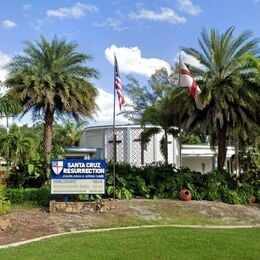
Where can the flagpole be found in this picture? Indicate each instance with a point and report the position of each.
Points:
(114, 134)
(180, 162)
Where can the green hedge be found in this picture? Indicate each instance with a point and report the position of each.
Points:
(5, 204)
(154, 181)
(165, 181)
(39, 196)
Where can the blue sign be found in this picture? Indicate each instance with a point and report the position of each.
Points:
(78, 176)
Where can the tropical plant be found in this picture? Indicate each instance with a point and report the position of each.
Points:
(17, 147)
(142, 97)
(160, 120)
(121, 190)
(69, 133)
(5, 204)
(248, 142)
(229, 98)
(50, 79)
(9, 108)
(188, 138)
(149, 107)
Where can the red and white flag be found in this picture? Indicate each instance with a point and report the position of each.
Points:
(187, 80)
(118, 85)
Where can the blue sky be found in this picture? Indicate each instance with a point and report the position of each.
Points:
(144, 34)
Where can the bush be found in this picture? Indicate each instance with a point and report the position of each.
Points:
(4, 203)
(121, 189)
(230, 196)
(39, 196)
(153, 181)
(257, 195)
(165, 181)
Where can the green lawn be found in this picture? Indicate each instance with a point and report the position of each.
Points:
(145, 243)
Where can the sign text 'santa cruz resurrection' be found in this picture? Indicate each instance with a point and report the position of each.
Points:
(77, 176)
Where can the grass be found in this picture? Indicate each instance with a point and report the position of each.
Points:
(152, 212)
(146, 243)
(176, 215)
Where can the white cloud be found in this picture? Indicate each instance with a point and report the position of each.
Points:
(190, 60)
(27, 7)
(116, 24)
(37, 24)
(75, 11)
(166, 15)
(4, 59)
(8, 24)
(104, 116)
(188, 7)
(130, 60)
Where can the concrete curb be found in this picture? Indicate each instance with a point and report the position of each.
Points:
(124, 228)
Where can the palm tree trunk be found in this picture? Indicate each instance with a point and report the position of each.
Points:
(166, 147)
(7, 124)
(222, 146)
(47, 145)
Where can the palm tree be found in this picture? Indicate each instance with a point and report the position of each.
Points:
(50, 79)
(148, 103)
(228, 97)
(73, 132)
(16, 146)
(69, 133)
(160, 117)
(9, 108)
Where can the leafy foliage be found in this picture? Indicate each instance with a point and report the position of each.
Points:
(50, 80)
(164, 181)
(229, 94)
(150, 95)
(5, 204)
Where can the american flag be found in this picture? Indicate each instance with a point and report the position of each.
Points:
(118, 86)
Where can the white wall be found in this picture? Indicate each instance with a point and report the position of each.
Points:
(195, 157)
(92, 138)
(195, 163)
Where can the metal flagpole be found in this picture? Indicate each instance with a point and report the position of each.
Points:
(114, 134)
(121, 99)
(180, 162)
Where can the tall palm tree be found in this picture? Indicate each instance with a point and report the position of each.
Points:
(50, 79)
(229, 99)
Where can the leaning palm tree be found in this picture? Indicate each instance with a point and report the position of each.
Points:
(50, 79)
(228, 97)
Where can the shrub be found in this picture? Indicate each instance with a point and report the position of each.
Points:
(4, 203)
(165, 181)
(121, 190)
(39, 196)
(230, 196)
(257, 195)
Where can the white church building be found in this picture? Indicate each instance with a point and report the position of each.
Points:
(128, 148)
